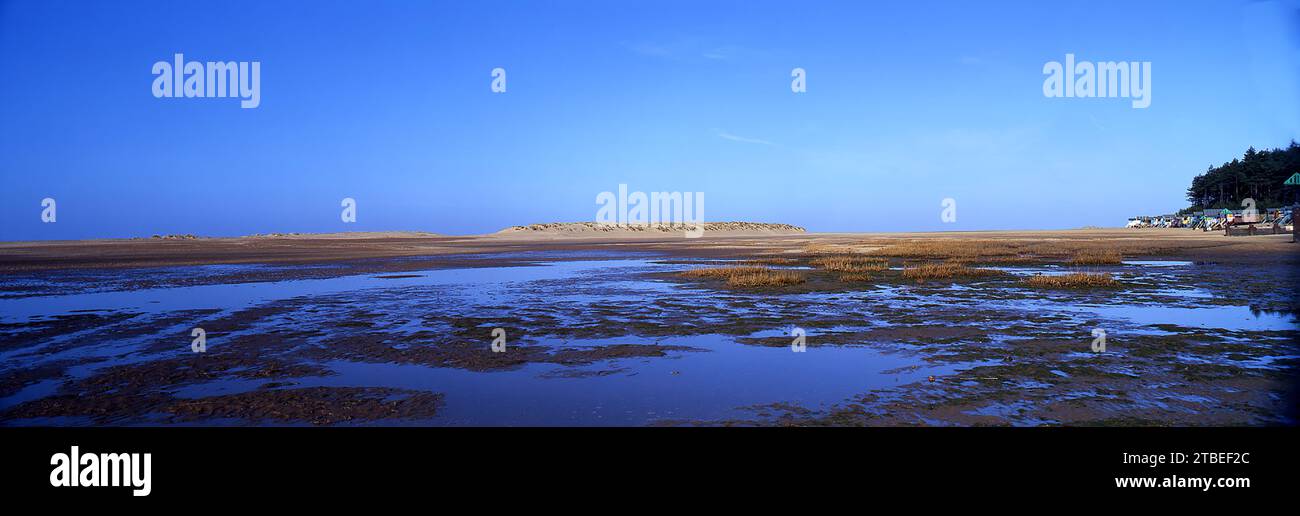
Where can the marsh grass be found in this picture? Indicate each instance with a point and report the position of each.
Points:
(771, 261)
(850, 263)
(720, 272)
(956, 248)
(1096, 257)
(946, 270)
(1072, 280)
(747, 276)
(1014, 252)
(996, 260)
(765, 278)
(856, 277)
(817, 248)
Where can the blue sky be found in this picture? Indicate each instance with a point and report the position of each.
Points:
(389, 103)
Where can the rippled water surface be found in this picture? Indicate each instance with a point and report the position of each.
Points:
(689, 352)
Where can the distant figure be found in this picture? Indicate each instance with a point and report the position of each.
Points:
(1295, 228)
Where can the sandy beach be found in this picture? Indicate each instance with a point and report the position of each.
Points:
(309, 248)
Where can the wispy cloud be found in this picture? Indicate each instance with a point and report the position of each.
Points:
(735, 138)
(684, 48)
(650, 49)
(723, 52)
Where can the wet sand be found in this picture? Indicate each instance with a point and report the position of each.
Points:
(395, 329)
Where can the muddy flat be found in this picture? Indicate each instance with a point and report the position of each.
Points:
(309, 248)
(1081, 327)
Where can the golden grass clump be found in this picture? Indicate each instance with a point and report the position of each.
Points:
(748, 276)
(953, 248)
(1072, 280)
(765, 278)
(1096, 257)
(771, 260)
(816, 248)
(929, 271)
(1011, 252)
(850, 263)
(856, 277)
(721, 272)
(996, 260)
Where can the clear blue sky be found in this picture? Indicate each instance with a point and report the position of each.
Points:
(389, 103)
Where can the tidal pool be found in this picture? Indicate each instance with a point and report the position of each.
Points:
(592, 339)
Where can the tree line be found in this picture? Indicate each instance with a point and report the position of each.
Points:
(1257, 175)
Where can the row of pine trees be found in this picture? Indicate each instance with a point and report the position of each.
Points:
(1257, 175)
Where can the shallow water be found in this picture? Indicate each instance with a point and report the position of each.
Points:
(709, 384)
(723, 376)
(239, 295)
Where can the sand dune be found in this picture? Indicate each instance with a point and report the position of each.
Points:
(601, 230)
(349, 235)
